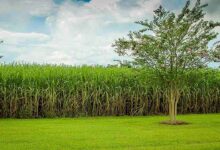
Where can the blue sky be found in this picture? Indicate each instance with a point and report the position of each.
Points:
(74, 31)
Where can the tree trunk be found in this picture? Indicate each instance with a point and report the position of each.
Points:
(173, 100)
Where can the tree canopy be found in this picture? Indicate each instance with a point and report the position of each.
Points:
(172, 43)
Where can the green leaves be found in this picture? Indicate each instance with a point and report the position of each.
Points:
(216, 52)
(171, 44)
(170, 40)
(65, 91)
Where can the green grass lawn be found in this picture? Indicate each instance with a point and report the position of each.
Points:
(134, 133)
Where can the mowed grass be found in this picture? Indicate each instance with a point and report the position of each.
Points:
(120, 133)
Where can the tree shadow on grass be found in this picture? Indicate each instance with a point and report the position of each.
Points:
(168, 122)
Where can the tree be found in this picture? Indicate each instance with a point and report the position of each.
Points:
(171, 44)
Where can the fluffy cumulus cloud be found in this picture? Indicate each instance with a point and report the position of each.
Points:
(78, 32)
(28, 7)
(17, 38)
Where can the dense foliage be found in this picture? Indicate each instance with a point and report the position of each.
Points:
(172, 43)
(54, 91)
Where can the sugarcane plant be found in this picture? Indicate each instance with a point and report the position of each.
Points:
(34, 91)
(172, 44)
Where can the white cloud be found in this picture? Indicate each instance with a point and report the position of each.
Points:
(17, 38)
(27, 7)
(80, 34)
